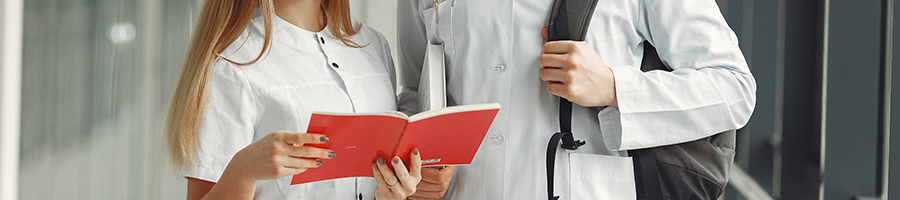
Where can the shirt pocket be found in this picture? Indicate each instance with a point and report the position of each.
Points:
(438, 24)
(595, 176)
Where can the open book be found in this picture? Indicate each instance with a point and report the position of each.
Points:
(447, 136)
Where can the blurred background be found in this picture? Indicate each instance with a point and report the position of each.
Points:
(86, 84)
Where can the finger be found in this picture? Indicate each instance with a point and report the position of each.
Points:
(432, 175)
(302, 138)
(559, 89)
(448, 171)
(291, 171)
(297, 163)
(427, 195)
(415, 164)
(403, 173)
(429, 186)
(379, 179)
(310, 152)
(389, 178)
(377, 173)
(559, 47)
(544, 33)
(555, 76)
(555, 61)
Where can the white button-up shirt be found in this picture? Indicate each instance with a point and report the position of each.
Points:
(303, 72)
(492, 49)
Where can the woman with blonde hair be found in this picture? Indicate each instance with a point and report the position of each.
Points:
(255, 68)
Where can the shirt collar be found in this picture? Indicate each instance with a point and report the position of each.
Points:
(287, 32)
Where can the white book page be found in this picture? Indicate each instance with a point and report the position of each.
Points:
(453, 109)
(432, 83)
(396, 114)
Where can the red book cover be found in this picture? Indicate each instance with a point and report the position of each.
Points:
(447, 136)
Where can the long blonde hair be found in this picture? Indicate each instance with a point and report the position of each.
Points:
(220, 24)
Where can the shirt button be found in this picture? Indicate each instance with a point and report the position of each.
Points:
(360, 196)
(498, 138)
(500, 67)
(322, 39)
(335, 65)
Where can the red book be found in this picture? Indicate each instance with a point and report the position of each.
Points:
(447, 136)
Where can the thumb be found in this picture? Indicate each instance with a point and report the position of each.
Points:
(544, 33)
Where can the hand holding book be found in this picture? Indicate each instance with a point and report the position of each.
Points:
(401, 184)
(279, 154)
(448, 136)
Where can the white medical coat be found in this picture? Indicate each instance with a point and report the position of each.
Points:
(492, 49)
(303, 72)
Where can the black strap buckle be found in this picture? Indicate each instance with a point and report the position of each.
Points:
(569, 142)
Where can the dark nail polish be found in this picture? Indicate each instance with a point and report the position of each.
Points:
(331, 154)
(323, 139)
(376, 166)
(416, 152)
(380, 161)
(396, 161)
(319, 163)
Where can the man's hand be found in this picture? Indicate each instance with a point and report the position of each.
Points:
(576, 72)
(434, 183)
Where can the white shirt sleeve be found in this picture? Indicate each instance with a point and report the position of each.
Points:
(228, 125)
(388, 61)
(412, 42)
(710, 90)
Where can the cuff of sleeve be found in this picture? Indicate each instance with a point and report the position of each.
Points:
(611, 120)
(202, 173)
(611, 127)
(627, 86)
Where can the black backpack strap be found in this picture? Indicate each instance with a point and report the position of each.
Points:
(646, 175)
(569, 20)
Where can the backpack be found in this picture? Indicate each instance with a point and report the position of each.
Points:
(691, 170)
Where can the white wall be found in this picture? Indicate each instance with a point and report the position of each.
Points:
(380, 15)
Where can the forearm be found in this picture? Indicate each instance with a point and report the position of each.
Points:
(231, 186)
(662, 108)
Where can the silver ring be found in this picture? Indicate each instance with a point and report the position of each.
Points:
(391, 186)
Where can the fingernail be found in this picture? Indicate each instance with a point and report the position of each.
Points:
(380, 161)
(376, 166)
(319, 163)
(416, 152)
(331, 154)
(323, 139)
(396, 161)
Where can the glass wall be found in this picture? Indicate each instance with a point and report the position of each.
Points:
(97, 79)
(97, 75)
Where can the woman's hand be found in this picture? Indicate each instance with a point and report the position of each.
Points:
(401, 185)
(279, 154)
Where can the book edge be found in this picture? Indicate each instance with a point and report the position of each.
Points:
(453, 109)
(397, 114)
